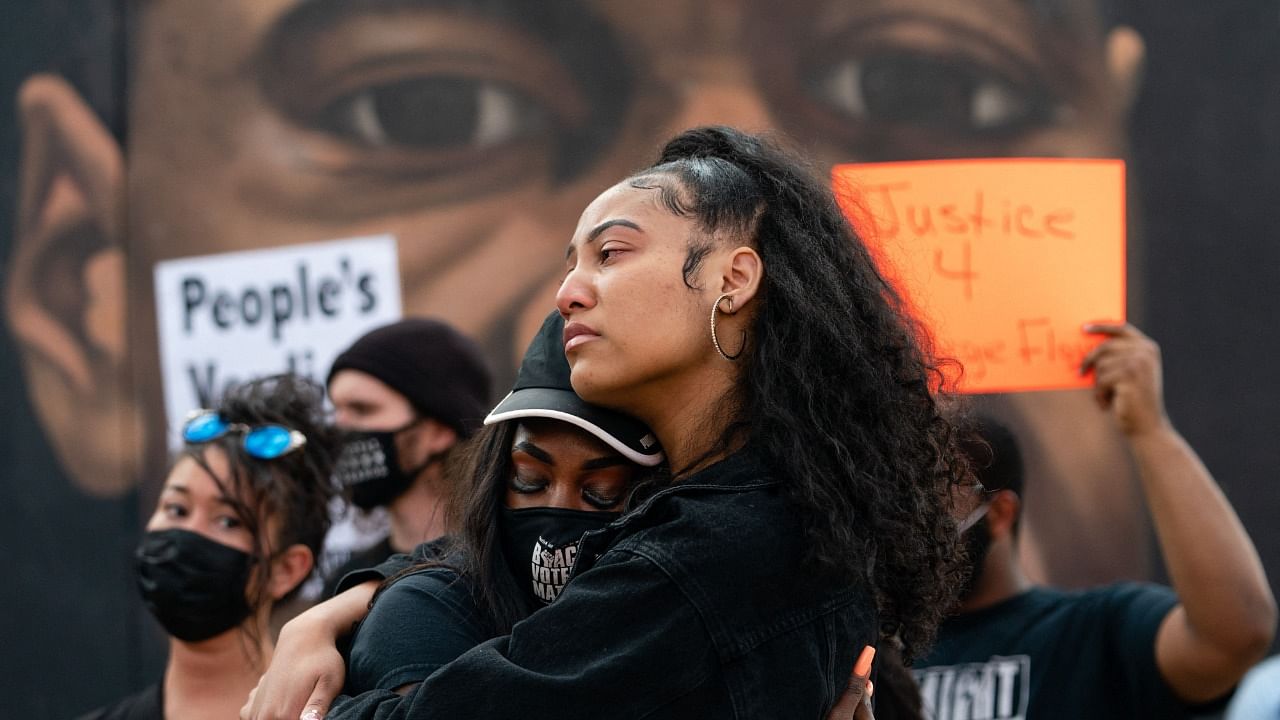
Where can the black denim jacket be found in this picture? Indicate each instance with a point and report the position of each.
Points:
(696, 604)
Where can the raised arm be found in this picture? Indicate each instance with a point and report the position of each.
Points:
(1226, 616)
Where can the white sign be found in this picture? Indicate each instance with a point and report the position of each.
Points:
(237, 316)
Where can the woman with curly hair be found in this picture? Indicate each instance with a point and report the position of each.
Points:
(722, 298)
(235, 532)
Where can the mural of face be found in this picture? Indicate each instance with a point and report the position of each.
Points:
(475, 133)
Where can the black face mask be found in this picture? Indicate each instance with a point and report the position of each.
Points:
(370, 468)
(540, 545)
(193, 585)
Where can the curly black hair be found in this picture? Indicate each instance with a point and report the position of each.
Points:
(839, 391)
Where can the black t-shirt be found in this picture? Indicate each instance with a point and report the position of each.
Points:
(359, 560)
(146, 705)
(1049, 654)
(419, 623)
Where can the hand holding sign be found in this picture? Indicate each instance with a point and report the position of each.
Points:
(1003, 260)
(1127, 377)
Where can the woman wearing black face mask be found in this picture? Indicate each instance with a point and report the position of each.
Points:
(545, 470)
(237, 528)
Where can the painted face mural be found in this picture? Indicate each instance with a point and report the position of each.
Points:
(475, 133)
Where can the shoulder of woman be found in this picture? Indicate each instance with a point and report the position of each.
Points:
(435, 580)
(712, 526)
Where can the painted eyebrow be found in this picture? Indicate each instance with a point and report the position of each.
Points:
(534, 451)
(310, 18)
(598, 230)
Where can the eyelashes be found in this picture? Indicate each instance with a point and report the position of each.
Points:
(929, 91)
(529, 486)
(434, 113)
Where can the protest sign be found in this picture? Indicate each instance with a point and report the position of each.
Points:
(1002, 260)
(236, 316)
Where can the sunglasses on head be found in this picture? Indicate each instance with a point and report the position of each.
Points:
(264, 442)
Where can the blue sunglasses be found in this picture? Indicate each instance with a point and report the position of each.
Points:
(264, 442)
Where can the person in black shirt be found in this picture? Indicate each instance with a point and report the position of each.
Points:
(407, 393)
(546, 468)
(807, 514)
(236, 530)
(1123, 651)
(548, 465)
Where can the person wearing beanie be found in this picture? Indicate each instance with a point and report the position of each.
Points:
(406, 393)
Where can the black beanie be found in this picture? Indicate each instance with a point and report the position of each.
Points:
(438, 369)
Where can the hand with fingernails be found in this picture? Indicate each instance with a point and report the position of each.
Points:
(855, 702)
(307, 671)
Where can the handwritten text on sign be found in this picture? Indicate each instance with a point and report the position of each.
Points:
(1004, 260)
(228, 318)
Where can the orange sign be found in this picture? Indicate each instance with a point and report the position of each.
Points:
(1003, 260)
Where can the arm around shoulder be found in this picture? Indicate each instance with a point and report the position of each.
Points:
(621, 641)
(419, 623)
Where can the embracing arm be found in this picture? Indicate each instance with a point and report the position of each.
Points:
(419, 623)
(1226, 616)
(306, 669)
(620, 642)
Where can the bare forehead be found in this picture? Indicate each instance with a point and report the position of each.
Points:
(351, 384)
(623, 200)
(190, 475)
(618, 198)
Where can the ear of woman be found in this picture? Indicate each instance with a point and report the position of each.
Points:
(741, 274)
(740, 280)
(288, 569)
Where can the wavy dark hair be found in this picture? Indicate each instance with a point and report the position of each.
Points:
(295, 490)
(478, 487)
(838, 390)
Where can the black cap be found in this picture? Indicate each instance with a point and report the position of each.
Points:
(542, 390)
(440, 371)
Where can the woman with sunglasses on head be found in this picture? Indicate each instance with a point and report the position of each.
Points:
(237, 528)
(722, 298)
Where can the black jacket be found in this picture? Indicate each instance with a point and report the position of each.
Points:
(696, 604)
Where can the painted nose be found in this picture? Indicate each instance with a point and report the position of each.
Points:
(719, 91)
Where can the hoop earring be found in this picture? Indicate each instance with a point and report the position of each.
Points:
(715, 340)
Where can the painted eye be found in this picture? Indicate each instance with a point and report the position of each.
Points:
(434, 113)
(924, 90)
